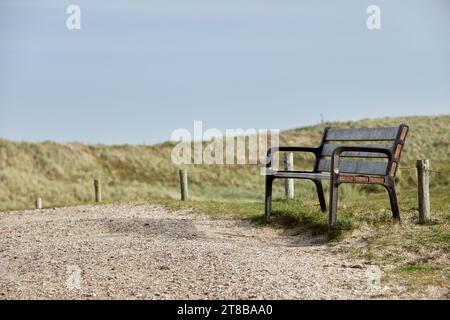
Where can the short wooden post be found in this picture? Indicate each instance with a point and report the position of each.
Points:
(289, 183)
(423, 177)
(184, 184)
(38, 203)
(98, 191)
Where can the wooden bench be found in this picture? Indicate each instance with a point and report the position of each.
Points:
(358, 147)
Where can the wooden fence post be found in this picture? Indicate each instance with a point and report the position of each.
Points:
(423, 177)
(184, 184)
(289, 183)
(98, 191)
(38, 203)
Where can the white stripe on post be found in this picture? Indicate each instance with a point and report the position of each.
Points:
(289, 183)
(38, 203)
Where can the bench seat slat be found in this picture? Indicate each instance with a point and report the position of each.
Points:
(355, 166)
(362, 134)
(301, 174)
(329, 148)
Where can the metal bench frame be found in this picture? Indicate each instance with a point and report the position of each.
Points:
(373, 173)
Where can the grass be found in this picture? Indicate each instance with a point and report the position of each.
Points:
(411, 254)
(420, 276)
(63, 174)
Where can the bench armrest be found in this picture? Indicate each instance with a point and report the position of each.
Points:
(273, 150)
(335, 156)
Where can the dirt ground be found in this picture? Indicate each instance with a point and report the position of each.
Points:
(146, 252)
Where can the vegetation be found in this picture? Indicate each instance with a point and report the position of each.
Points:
(411, 254)
(62, 174)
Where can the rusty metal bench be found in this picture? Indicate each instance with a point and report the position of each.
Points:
(359, 147)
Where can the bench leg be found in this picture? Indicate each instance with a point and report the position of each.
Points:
(393, 199)
(268, 200)
(320, 194)
(333, 203)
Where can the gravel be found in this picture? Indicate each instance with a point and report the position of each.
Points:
(147, 252)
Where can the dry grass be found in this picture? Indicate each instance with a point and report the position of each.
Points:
(62, 174)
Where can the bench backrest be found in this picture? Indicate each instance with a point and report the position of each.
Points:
(392, 138)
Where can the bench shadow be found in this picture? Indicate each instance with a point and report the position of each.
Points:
(293, 233)
(300, 232)
(178, 228)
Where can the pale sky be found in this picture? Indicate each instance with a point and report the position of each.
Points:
(137, 70)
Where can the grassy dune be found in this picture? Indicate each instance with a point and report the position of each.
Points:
(62, 174)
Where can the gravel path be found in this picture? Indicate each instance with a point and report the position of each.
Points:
(147, 252)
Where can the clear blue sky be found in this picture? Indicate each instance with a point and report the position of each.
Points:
(137, 70)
